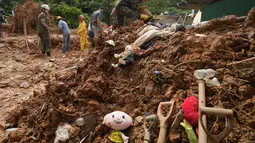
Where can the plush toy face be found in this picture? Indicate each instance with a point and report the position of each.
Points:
(118, 120)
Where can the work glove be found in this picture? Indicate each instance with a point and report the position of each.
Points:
(144, 17)
(189, 130)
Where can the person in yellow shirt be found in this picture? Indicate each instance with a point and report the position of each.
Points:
(82, 32)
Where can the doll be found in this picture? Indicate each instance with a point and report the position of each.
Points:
(118, 121)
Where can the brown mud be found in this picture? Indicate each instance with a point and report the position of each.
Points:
(94, 87)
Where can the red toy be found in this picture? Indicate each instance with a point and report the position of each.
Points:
(190, 108)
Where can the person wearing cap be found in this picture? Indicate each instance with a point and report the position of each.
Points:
(82, 32)
(1, 20)
(43, 29)
(127, 11)
(64, 29)
(97, 24)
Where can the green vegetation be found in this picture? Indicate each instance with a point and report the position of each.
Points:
(71, 9)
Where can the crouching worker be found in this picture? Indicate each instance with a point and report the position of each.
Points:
(64, 29)
(126, 58)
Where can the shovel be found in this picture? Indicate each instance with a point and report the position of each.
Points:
(149, 123)
(228, 114)
(164, 119)
(202, 76)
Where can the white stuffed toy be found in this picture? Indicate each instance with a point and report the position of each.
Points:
(118, 121)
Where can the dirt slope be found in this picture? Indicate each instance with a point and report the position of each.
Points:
(96, 88)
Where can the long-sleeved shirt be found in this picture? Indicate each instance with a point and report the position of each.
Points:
(82, 31)
(63, 27)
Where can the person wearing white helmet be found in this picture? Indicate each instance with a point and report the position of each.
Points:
(43, 29)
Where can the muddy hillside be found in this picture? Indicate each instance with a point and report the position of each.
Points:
(93, 88)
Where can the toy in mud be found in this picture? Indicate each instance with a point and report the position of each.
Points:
(118, 121)
(126, 58)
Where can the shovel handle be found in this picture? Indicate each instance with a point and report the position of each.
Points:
(147, 136)
(162, 134)
(228, 114)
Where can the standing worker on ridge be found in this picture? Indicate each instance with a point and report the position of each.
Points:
(82, 32)
(127, 10)
(43, 29)
(97, 24)
(64, 29)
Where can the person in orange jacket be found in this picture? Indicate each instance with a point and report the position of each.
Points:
(82, 32)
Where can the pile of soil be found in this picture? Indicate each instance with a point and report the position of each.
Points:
(94, 87)
(29, 12)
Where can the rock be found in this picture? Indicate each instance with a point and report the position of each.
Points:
(74, 131)
(129, 108)
(175, 137)
(149, 89)
(169, 92)
(137, 112)
(8, 131)
(252, 124)
(139, 119)
(94, 103)
(16, 135)
(80, 122)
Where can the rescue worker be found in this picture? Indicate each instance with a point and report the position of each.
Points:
(82, 32)
(43, 29)
(97, 24)
(113, 16)
(64, 29)
(1, 20)
(90, 31)
(127, 10)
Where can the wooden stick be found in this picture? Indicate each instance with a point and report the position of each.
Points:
(25, 26)
(246, 60)
(27, 45)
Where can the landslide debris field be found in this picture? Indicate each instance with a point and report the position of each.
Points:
(89, 86)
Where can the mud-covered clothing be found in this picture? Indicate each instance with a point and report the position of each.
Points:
(129, 59)
(127, 11)
(43, 33)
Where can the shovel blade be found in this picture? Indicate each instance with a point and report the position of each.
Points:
(219, 112)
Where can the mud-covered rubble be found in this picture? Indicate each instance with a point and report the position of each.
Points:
(93, 87)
